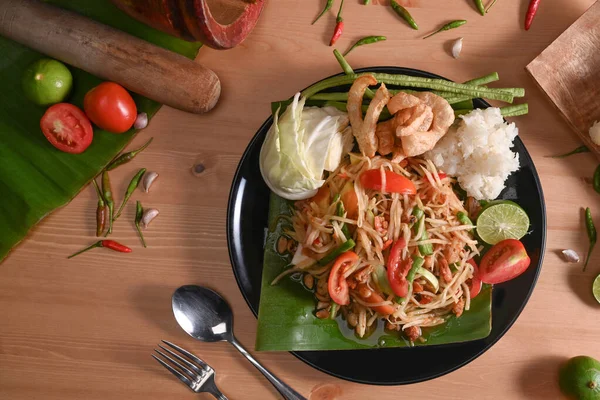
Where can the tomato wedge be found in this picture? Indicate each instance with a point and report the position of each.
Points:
(348, 197)
(337, 284)
(503, 262)
(475, 286)
(67, 128)
(394, 183)
(373, 298)
(397, 269)
(111, 107)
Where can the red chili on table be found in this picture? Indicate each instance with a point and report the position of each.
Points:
(109, 244)
(339, 26)
(531, 11)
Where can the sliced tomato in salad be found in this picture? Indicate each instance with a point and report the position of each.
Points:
(67, 128)
(397, 269)
(504, 261)
(348, 197)
(337, 284)
(370, 297)
(322, 198)
(394, 183)
(476, 284)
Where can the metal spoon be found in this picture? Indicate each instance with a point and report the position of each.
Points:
(206, 316)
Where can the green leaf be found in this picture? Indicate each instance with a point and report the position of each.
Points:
(36, 178)
(286, 319)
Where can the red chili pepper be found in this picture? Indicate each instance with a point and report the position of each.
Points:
(531, 11)
(109, 244)
(339, 26)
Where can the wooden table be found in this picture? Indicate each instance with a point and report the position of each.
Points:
(85, 328)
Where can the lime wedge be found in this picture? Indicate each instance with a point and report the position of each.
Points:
(596, 288)
(502, 221)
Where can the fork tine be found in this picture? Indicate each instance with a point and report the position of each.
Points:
(189, 373)
(188, 354)
(178, 374)
(183, 360)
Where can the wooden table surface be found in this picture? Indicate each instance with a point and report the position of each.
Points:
(85, 328)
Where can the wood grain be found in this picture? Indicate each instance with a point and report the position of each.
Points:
(84, 328)
(568, 71)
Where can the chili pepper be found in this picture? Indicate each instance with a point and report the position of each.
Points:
(132, 185)
(591, 233)
(327, 8)
(580, 149)
(364, 41)
(596, 180)
(108, 197)
(531, 11)
(487, 10)
(100, 211)
(139, 213)
(126, 157)
(367, 2)
(404, 14)
(480, 6)
(448, 26)
(339, 26)
(109, 244)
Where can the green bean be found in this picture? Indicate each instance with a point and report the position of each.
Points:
(591, 233)
(580, 149)
(340, 211)
(424, 249)
(342, 106)
(493, 77)
(132, 185)
(464, 219)
(596, 180)
(448, 26)
(327, 8)
(333, 310)
(139, 213)
(108, 198)
(404, 14)
(126, 157)
(335, 253)
(515, 111)
(416, 264)
(349, 71)
(364, 41)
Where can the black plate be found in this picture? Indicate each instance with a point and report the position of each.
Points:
(246, 223)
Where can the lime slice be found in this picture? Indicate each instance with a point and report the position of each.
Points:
(596, 288)
(502, 221)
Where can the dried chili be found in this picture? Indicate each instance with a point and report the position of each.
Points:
(109, 244)
(108, 197)
(531, 11)
(404, 14)
(126, 157)
(339, 26)
(130, 189)
(100, 211)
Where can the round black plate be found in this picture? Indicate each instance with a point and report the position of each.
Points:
(247, 215)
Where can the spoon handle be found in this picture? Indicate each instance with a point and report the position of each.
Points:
(287, 392)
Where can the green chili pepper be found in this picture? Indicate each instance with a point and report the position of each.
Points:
(404, 14)
(126, 157)
(480, 6)
(335, 253)
(139, 213)
(597, 179)
(327, 8)
(132, 185)
(424, 249)
(490, 6)
(108, 197)
(580, 149)
(365, 41)
(367, 2)
(591, 232)
(100, 211)
(448, 26)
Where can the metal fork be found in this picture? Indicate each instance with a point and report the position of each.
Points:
(195, 373)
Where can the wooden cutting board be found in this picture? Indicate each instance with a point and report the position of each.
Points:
(568, 71)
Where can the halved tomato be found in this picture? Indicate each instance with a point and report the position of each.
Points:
(503, 262)
(111, 107)
(397, 269)
(369, 296)
(337, 284)
(475, 286)
(394, 183)
(67, 128)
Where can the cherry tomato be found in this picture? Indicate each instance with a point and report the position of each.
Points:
(394, 183)
(374, 298)
(348, 197)
(475, 286)
(67, 128)
(111, 107)
(397, 269)
(337, 285)
(503, 262)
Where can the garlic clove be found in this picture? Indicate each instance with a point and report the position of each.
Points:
(148, 216)
(148, 179)
(141, 121)
(570, 256)
(457, 48)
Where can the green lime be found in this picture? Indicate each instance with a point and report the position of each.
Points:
(46, 82)
(502, 221)
(596, 288)
(579, 378)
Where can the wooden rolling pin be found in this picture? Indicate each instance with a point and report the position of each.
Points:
(141, 67)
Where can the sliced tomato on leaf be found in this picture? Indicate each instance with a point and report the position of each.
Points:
(504, 261)
(67, 128)
(373, 298)
(397, 269)
(475, 285)
(337, 284)
(111, 107)
(394, 183)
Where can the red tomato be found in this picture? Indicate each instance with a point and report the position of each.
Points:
(67, 128)
(373, 298)
(394, 183)
(337, 285)
(442, 175)
(348, 197)
(111, 107)
(322, 198)
(475, 286)
(397, 269)
(503, 262)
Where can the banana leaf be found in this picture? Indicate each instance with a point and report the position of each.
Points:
(36, 178)
(286, 315)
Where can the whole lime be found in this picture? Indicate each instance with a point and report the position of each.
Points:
(580, 378)
(47, 82)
